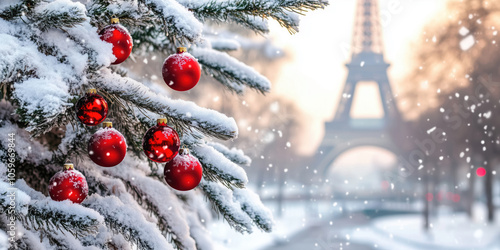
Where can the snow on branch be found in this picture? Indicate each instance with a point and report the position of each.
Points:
(198, 232)
(27, 150)
(20, 198)
(228, 70)
(255, 23)
(235, 155)
(225, 9)
(4, 243)
(251, 204)
(10, 10)
(47, 216)
(178, 19)
(51, 97)
(217, 167)
(161, 201)
(223, 44)
(288, 19)
(57, 240)
(221, 199)
(28, 239)
(186, 113)
(58, 14)
(128, 221)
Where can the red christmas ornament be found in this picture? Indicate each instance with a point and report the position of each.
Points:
(91, 109)
(107, 147)
(117, 35)
(161, 143)
(481, 171)
(184, 172)
(181, 71)
(68, 184)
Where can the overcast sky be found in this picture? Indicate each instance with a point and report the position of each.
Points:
(315, 75)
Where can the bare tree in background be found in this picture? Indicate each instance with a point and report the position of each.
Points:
(455, 87)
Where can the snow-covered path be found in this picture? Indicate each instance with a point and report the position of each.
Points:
(324, 235)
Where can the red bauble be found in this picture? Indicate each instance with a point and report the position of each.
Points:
(107, 147)
(161, 143)
(91, 109)
(120, 38)
(68, 184)
(181, 71)
(184, 172)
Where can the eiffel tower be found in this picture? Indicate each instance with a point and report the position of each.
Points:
(367, 65)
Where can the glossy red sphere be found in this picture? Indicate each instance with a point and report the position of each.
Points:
(91, 109)
(184, 172)
(161, 143)
(181, 71)
(121, 40)
(68, 185)
(107, 147)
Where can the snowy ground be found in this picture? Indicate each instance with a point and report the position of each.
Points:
(294, 219)
(348, 226)
(448, 231)
(297, 217)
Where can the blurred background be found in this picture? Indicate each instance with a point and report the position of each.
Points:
(380, 131)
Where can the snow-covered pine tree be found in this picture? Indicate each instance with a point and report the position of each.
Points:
(51, 53)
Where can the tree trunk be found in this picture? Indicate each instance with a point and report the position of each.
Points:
(488, 186)
(426, 211)
(469, 201)
(435, 190)
(281, 174)
(454, 182)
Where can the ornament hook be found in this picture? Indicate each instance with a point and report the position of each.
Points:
(114, 19)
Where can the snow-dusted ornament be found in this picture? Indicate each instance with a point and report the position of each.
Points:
(68, 184)
(161, 143)
(119, 36)
(91, 109)
(107, 147)
(184, 172)
(181, 71)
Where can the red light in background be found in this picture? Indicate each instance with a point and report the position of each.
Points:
(385, 185)
(429, 196)
(481, 171)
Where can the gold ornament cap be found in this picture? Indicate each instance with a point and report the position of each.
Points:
(107, 124)
(68, 166)
(181, 49)
(91, 91)
(114, 20)
(162, 121)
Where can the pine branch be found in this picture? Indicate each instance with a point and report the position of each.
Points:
(187, 114)
(217, 167)
(198, 232)
(255, 23)
(251, 204)
(224, 44)
(17, 10)
(52, 16)
(222, 201)
(179, 23)
(48, 216)
(228, 70)
(235, 155)
(159, 200)
(128, 222)
(226, 9)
